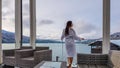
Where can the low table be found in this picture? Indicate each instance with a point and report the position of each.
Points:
(51, 64)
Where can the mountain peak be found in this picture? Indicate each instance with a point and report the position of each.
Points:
(115, 36)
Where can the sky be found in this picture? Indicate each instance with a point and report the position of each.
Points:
(52, 16)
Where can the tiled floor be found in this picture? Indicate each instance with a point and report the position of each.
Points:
(79, 66)
(1, 66)
(91, 66)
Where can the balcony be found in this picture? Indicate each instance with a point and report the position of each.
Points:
(17, 56)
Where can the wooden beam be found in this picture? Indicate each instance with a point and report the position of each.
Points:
(33, 23)
(18, 23)
(106, 27)
(0, 31)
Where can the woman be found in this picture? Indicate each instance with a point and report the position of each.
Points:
(70, 37)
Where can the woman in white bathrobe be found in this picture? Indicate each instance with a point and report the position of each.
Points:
(70, 37)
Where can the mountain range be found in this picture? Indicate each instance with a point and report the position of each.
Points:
(9, 37)
(114, 36)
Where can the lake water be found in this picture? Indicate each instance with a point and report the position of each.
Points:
(58, 49)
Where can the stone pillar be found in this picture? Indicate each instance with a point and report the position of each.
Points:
(33, 23)
(18, 23)
(106, 27)
(0, 31)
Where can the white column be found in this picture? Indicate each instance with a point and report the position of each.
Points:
(0, 31)
(106, 27)
(18, 21)
(33, 23)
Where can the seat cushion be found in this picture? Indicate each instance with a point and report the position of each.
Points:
(11, 57)
(28, 58)
(9, 60)
(26, 62)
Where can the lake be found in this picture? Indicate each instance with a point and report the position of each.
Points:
(58, 49)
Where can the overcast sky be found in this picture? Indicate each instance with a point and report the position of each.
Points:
(52, 16)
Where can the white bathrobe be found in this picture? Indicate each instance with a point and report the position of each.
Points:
(70, 42)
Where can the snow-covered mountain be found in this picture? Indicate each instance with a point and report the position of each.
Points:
(115, 36)
(9, 37)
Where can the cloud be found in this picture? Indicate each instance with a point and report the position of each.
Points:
(26, 8)
(8, 3)
(115, 27)
(26, 22)
(8, 8)
(84, 27)
(45, 22)
(52, 14)
(63, 10)
(8, 15)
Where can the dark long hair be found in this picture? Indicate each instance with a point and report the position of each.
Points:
(68, 25)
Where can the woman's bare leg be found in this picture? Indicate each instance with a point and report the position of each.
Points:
(70, 60)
